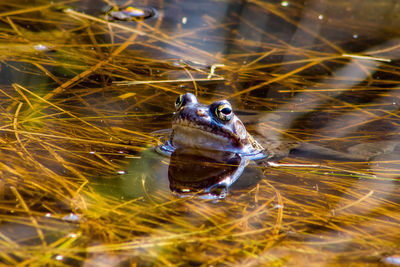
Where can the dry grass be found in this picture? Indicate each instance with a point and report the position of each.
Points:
(66, 126)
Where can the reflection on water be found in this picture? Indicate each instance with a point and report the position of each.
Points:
(315, 82)
(197, 173)
(207, 173)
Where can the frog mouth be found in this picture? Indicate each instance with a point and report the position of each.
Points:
(197, 130)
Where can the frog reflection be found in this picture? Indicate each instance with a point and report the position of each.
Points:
(206, 173)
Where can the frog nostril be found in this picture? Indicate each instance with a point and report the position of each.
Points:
(201, 112)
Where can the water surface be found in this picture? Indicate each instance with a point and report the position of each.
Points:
(318, 79)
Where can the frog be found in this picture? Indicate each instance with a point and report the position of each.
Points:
(213, 127)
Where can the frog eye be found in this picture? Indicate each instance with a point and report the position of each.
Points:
(224, 112)
(184, 100)
(179, 102)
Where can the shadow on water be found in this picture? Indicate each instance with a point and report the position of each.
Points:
(84, 99)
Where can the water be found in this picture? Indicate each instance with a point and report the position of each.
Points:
(315, 81)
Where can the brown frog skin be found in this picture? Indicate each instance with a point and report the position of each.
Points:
(213, 127)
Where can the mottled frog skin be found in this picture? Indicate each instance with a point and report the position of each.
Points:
(213, 127)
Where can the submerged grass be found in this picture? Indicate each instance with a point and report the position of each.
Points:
(70, 119)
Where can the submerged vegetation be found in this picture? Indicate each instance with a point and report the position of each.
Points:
(81, 97)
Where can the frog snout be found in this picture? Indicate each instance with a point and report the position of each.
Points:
(202, 112)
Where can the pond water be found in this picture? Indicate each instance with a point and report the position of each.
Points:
(85, 97)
